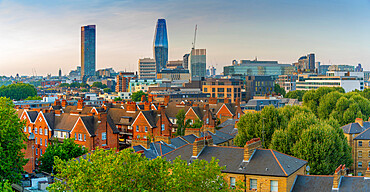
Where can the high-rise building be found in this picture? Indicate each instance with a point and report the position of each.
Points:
(197, 63)
(123, 80)
(160, 45)
(306, 63)
(311, 62)
(185, 61)
(88, 65)
(174, 64)
(147, 68)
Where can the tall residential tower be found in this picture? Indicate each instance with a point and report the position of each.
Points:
(88, 65)
(160, 45)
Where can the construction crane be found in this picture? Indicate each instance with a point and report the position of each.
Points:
(195, 36)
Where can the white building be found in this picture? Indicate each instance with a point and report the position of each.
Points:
(349, 81)
(147, 69)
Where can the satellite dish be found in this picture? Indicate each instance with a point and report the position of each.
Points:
(308, 168)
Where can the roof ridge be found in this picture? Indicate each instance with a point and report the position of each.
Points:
(362, 133)
(176, 149)
(225, 132)
(228, 147)
(288, 155)
(278, 162)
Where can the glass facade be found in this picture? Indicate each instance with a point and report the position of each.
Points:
(160, 45)
(198, 63)
(88, 65)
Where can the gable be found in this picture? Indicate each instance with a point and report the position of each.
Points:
(79, 124)
(191, 112)
(140, 117)
(41, 118)
(93, 110)
(224, 110)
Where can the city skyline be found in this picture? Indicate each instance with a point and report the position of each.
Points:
(335, 31)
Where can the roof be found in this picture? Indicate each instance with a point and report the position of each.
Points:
(178, 142)
(50, 119)
(365, 135)
(89, 123)
(352, 128)
(308, 183)
(349, 184)
(151, 116)
(33, 115)
(189, 138)
(117, 113)
(231, 107)
(112, 125)
(229, 129)
(228, 122)
(65, 122)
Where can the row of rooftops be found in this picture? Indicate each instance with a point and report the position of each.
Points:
(359, 127)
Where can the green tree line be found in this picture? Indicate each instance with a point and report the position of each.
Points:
(18, 91)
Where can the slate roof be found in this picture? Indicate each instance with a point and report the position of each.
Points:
(117, 113)
(50, 118)
(309, 183)
(33, 115)
(178, 142)
(228, 122)
(112, 125)
(151, 116)
(190, 138)
(65, 122)
(365, 135)
(89, 123)
(352, 128)
(229, 129)
(156, 149)
(218, 137)
(231, 107)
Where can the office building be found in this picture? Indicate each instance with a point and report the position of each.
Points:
(259, 68)
(174, 74)
(174, 64)
(185, 61)
(123, 81)
(211, 71)
(147, 68)
(341, 68)
(359, 68)
(258, 86)
(349, 81)
(88, 66)
(197, 62)
(288, 82)
(160, 45)
(306, 64)
(223, 88)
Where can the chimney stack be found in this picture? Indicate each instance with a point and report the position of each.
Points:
(143, 98)
(250, 146)
(146, 106)
(56, 102)
(226, 100)
(150, 98)
(337, 175)
(166, 100)
(359, 121)
(131, 107)
(80, 104)
(64, 103)
(212, 100)
(198, 144)
(237, 102)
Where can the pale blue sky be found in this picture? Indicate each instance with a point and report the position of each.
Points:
(45, 34)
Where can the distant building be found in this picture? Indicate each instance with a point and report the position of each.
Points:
(147, 68)
(341, 68)
(259, 68)
(288, 82)
(223, 88)
(211, 71)
(185, 61)
(174, 74)
(359, 68)
(160, 45)
(60, 73)
(108, 72)
(306, 63)
(143, 84)
(88, 65)
(349, 81)
(123, 81)
(323, 69)
(258, 86)
(197, 62)
(174, 64)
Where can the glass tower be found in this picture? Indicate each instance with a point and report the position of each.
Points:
(160, 45)
(87, 51)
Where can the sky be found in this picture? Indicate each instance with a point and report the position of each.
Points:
(45, 35)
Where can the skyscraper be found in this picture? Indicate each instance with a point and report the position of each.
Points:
(198, 63)
(87, 51)
(160, 45)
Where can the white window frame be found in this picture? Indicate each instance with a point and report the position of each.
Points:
(252, 184)
(46, 142)
(36, 140)
(46, 132)
(25, 129)
(80, 137)
(36, 130)
(146, 129)
(37, 151)
(137, 128)
(274, 186)
(232, 182)
(40, 131)
(41, 141)
(84, 137)
(104, 136)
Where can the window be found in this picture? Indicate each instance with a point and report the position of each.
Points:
(46, 143)
(41, 141)
(75, 136)
(146, 129)
(253, 183)
(40, 131)
(37, 151)
(369, 153)
(213, 90)
(46, 132)
(137, 128)
(359, 174)
(84, 137)
(25, 129)
(80, 137)
(104, 136)
(205, 90)
(162, 127)
(207, 121)
(35, 130)
(220, 116)
(360, 143)
(359, 154)
(232, 182)
(369, 143)
(238, 115)
(228, 89)
(40, 152)
(274, 186)
(359, 164)
(129, 127)
(36, 140)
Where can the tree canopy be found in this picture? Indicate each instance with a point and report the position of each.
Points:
(297, 94)
(108, 170)
(107, 90)
(99, 85)
(292, 130)
(33, 98)
(64, 151)
(18, 91)
(12, 141)
(279, 90)
(136, 96)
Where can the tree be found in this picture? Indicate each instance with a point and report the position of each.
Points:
(5, 186)
(84, 90)
(64, 85)
(180, 116)
(18, 91)
(107, 90)
(84, 85)
(33, 98)
(196, 124)
(108, 170)
(74, 85)
(118, 99)
(65, 151)
(12, 141)
(297, 94)
(99, 85)
(136, 96)
(279, 90)
(324, 147)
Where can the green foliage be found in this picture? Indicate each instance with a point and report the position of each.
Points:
(12, 141)
(279, 90)
(297, 94)
(74, 85)
(64, 85)
(196, 124)
(84, 90)
(136, 96)
(5, 186)
(291, 130)
(108, 170)
(64, 151)
(99, 85)
(118, 99)
(18, 91)
(107, 90)
(180, 116)
(33, 98)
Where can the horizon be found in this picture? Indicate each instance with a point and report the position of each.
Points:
(45, 35)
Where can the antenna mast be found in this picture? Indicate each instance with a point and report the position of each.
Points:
(195, 36)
